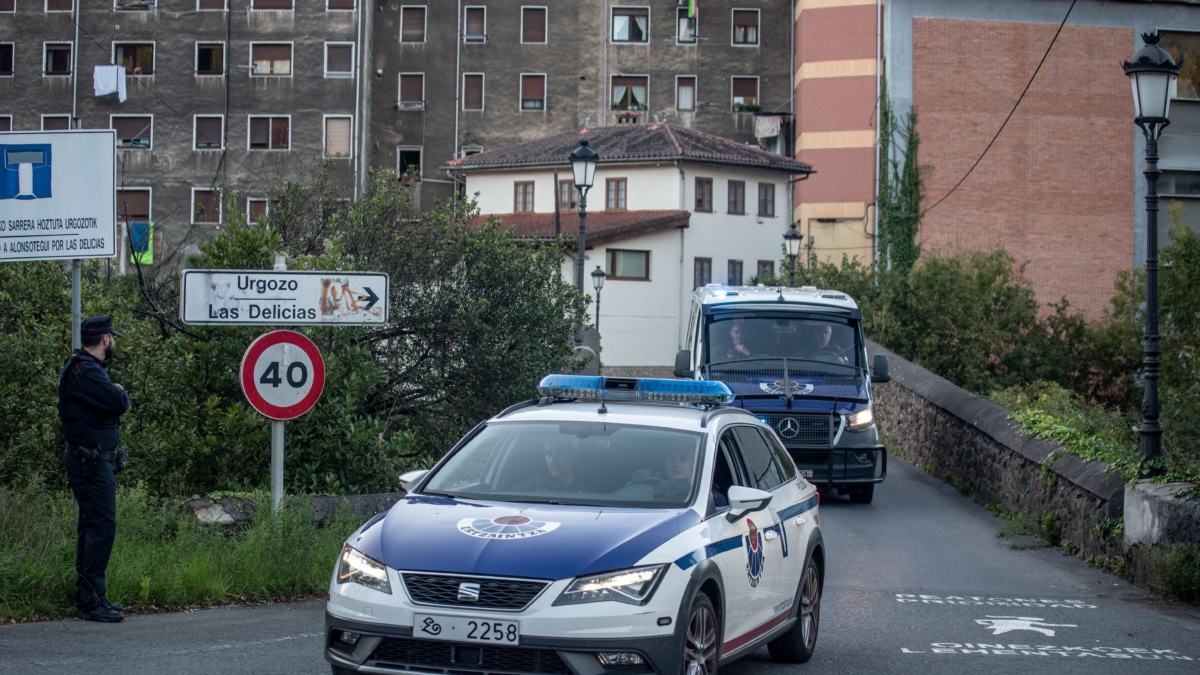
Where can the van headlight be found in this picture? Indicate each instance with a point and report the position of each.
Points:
(860, 420)
(632, 586)
(354, 567)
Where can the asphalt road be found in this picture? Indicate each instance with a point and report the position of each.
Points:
(918, 583)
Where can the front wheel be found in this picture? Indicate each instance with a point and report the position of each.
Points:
(797, 645)
(703, 638)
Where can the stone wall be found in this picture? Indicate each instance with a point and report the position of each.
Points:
(969, 442)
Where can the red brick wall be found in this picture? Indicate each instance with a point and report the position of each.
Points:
(1057, 187)
(836, 33)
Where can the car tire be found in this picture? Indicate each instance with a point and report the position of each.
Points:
(863, 495)
(797, 645)
(702, 643)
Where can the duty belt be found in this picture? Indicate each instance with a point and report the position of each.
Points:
(99, 454)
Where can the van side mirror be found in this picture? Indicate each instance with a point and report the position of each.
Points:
(880, 370)
(683, 364)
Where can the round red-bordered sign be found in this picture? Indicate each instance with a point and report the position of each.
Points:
(282, 374)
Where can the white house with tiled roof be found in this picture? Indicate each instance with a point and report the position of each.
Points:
(671, 209)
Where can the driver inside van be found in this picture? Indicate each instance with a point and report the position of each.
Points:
(823, 348)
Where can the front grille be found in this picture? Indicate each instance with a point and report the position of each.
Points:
(403, 654)
(802, 430)
(845, 464)
(506, 594)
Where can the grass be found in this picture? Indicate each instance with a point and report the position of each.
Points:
(162, 559)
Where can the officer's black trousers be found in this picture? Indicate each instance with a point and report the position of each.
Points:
(96, 496)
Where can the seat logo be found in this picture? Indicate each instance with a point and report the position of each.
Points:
(788, 427)
(468, 592)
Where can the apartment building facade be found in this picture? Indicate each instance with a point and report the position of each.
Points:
(203, 94)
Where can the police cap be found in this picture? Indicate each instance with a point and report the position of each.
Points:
(97, 325)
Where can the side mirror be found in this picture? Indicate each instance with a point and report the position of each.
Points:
(683, 364)
(880, 370)
(746, 500)
(407, 480)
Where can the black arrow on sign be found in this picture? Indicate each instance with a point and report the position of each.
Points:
(370, 297)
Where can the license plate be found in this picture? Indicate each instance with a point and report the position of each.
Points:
(466, 629)
(807, 473)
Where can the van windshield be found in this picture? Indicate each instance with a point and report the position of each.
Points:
(808, 340)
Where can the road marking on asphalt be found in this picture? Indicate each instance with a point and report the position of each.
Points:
(1000, 625)
(1142, 653)
(985, 601)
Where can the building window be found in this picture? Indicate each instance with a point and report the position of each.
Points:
(206, 206)
(523, 197)
(339, 59)
(1179, 184)
(210, 5)
(475, 25)
(60, 5)
(766, 199)
(685, 92)
(270, 4)
(473, 91)
(745, 94)
(138, 59)
(412, 91)
(270, 60)
(631, 24)
(57, 58)
(614, 189)
(133, 131)
(56, 122)
(533, 92)
(412, 24)
(5, 122)
(210, 58)
(8, 5)
(533, 25)
(257, 209)
(629, 93)
(133, 206)
(1185, 48)
(6, 59)
(685, 28)
(135, 5)
(408, 165)
(270, 133)
(340, 5)
(737, 197)
(568, 196)
(745, 26)
(628, 265)
(208, 132)
(735, 273)
(704, 195)
(468, 150)
(701, 272)
(766, 268)
(337, 137)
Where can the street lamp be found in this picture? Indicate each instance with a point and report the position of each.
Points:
(583, 164)
(791, 239)
(1152, 72)
(598, 283)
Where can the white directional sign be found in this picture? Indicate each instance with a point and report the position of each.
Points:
(283, 298)
(58, 194)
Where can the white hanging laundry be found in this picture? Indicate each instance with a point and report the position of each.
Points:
(766, 126)
(110, 80)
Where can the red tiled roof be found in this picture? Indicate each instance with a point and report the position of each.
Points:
(628, 144)
(602, 226)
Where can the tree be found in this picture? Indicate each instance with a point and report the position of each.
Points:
(900, 188)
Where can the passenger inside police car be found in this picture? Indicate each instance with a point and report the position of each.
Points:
(560, 462)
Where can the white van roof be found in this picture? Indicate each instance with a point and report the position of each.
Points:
(722, 294)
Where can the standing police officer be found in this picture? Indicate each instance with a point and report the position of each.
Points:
(89, 404)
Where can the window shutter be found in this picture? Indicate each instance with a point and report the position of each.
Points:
(473, 92)
(211, 4)
(204, 207)
(341, 4)
(272, 53)
(133, 205)
(337, 137)
(745, 86)
(534, 25)
(208, 131)
(411, 87)
(279, 133)
(413, 20)
(272, 4)
(475, 21)
(339, 58)
(260, 131)
(129, 128)
(533, 87)
(743, 17)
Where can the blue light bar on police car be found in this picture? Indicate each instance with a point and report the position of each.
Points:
(595, 388)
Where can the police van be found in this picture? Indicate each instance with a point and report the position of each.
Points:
(797, 359)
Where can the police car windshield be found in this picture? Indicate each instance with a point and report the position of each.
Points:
(602, 464)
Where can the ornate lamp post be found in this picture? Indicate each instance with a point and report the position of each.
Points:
(791, 239)
(1152, 72)
(583, 164)
(598, 283)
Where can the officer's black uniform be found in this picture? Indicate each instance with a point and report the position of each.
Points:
(89, 405)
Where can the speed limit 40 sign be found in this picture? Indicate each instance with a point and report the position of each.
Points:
(282, 374)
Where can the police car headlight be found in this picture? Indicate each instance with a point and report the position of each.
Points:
(356, 568)
(632, 586)
(860, 420)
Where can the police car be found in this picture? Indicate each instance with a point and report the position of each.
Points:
(611, 526)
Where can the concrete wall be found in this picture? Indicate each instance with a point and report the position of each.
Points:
(970, 443)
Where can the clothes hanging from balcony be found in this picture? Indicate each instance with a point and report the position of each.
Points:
(110, 80)
(766, 126)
